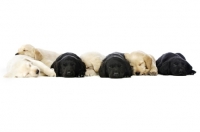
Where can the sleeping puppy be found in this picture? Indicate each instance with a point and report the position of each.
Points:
(142, 63)
(115, 66)
(174, 64)
(45, 56)
(93, 62)
(22, 66)
(69, 65)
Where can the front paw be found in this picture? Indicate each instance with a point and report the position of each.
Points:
(153, 73)
(51, 73)
(192, 72)
(90, 72)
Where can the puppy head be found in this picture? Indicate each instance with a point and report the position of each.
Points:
(29, 50)
(115, 68)
(23, 69)
(69, 66)
(139, 62)
(180, 67)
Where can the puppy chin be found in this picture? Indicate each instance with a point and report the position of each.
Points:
(115, 76)
(67, 74)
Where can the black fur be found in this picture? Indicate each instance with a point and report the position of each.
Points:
(174, 64)
(115, 66)
(69, 65)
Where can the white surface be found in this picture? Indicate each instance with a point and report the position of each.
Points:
(157, 104)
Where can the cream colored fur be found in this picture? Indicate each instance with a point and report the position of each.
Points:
(45, 56)
(22, 66)
(93, 62)
(142, 63)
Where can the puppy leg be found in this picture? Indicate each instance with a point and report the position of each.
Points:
(45, 69)
(47, 62)
(90, 72)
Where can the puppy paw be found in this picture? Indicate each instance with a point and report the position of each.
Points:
(90, 72)
(153, 73)
(51, 73)
(192, 72)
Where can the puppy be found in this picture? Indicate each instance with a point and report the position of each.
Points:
(45, 56)
(93, 62)
(174, 64)
(115, 66)
(22, 66)
(142, 63)
(69, 65)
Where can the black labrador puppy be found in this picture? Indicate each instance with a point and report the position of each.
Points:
(174, 64)
(69, 65)
(115, 66)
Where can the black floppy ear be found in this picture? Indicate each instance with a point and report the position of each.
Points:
(102, 69)
(82, 69)
(165, 68)
(189, 69)
(129, 69)
(56, 67)
(182, 56)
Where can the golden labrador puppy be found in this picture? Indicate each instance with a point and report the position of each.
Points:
(142, 63)
(45, 56)
(93, 62)
(22, 66)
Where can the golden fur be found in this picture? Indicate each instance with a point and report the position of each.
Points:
(93, 62)
(142, 63)
(22, 66)
(45, 56)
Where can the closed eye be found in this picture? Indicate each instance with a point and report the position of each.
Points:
(141, 63)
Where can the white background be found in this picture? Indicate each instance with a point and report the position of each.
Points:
(157, 104)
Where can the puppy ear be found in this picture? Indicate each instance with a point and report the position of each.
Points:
(82, 69)
(129, 69)
(127, 56)
(56, 68)
(102, 70)
(165, 69)
(38, 55)
(148, 61)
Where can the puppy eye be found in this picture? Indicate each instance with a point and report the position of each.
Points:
(72, 64)
(16, 76)
(140, 64)
(174, 64)
(29, 65)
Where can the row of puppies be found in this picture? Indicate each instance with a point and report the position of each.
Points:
(115, 65)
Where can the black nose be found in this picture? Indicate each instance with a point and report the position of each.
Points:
(17, 54)
(115, 73)
(68, 73)
(180, 71)
(37, 71)
(137, 73)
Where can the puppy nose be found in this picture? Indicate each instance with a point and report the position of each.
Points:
(17, 54)
(137, 73)
(68, 73)
(180, 71)
(37, 71)
(115, 73)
